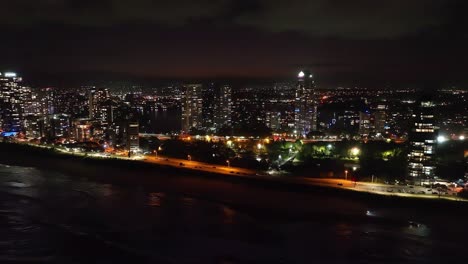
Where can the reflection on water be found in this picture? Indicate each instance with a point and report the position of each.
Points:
(47, 217)
(228, 214)
(188, 201)
(154, 199)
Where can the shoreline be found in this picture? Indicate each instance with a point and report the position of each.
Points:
(250, 193)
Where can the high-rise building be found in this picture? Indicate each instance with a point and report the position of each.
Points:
(422, 141)
(365, 122)
(60, 125)
(192, 105)
(208, 111)
(380, 118)
(223, 107)
(82, 129)
(13, 98)
(273, 120)
(96, 98)
(305, 104)
(133, 143)
(72, 103)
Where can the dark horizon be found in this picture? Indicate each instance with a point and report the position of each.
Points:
(418, 43)
(72, 80)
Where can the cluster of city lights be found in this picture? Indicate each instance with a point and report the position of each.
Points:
(441, 138)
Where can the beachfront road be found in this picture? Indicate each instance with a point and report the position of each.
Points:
(196, 165)
(382, 189)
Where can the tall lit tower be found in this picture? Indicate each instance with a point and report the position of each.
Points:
(13, 98)
(223, 106)
(96, 98)
(422, 141)
(305, 104)
(192, 105)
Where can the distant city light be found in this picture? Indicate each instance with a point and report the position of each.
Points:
(355, 151)
(441, 139)
(10, 74)
(462, 137)
(301, 74)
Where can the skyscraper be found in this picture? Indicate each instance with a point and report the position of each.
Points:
(96, 98)
(132, 137)
(380, 116)
(365, 122)
(12, 101)
(59, 125)
(192, 105)
(208, 94)
(422, 141)
(47, 101)
(223, 107)
(305, 104)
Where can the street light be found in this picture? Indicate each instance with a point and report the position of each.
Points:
(189, 157)
(355, 151)
(346, 174)
(228, 163)
(441, 139)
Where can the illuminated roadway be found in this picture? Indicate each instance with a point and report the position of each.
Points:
(382, 189)
(201, 166)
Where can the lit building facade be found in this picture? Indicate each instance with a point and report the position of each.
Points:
(422, 140)
(82, 129)
(223, 107)
(365, 123)
(380, 118)
(13, 99)
(133, 143)
(96, 98)
(60, 125)
(305, 104)
(192, 105)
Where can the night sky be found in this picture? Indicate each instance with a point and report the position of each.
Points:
(359, 42)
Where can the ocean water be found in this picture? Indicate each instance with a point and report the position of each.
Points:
(49, 217)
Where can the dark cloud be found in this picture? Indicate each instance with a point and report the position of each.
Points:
(342, 18)
(344, 42)
(349, 19)
(107, 12)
